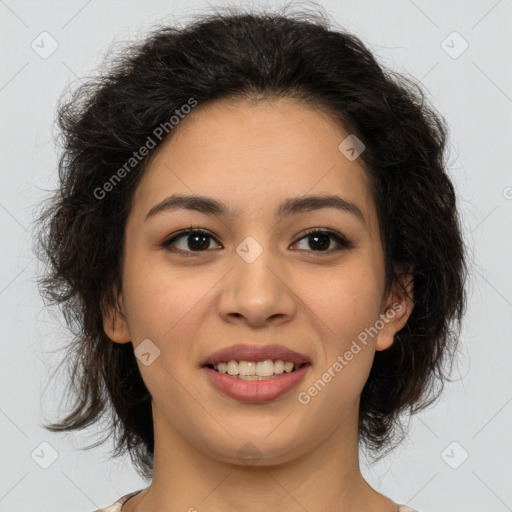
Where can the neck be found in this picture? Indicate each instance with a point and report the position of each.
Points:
(326, 478)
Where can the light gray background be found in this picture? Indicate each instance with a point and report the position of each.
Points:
(473, 92)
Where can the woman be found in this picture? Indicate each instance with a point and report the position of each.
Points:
(257, 243)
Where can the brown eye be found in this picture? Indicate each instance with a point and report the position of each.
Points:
(196, 240)
(191, 240)
(319, 240)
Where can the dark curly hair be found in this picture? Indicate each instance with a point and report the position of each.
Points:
(236, 54)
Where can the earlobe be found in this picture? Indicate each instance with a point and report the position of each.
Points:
(397, 310)
(114, 321)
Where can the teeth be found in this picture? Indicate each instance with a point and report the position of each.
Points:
(288, 367)
(251, 370)
(247, 368)
(265, 368)
(233, 368)
(279, 367)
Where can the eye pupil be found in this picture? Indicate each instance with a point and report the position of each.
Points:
(197, 237)
(324, 238)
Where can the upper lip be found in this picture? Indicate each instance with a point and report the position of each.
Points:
(255, 353)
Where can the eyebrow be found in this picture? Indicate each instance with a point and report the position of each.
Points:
(291, 206)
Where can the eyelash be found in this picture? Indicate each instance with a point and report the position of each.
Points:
(342, 241)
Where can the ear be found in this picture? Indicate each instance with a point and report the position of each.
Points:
(397, 307)
(114, 320)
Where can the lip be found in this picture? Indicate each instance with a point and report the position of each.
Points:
(254, 391)
(256, 353)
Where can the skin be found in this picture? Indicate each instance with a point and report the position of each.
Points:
(252, 155)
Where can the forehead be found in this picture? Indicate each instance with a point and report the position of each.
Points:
(253, 154)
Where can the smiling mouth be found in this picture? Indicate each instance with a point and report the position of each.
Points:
(252, 370)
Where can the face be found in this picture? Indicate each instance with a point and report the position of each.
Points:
(310, 280)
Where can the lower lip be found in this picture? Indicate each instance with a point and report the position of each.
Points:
(256, 390)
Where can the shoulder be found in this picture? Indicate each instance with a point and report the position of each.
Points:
(116, 507)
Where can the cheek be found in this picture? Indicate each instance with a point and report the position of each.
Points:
(345, 301)
(160, 299)
(167, 310)
(344, 310)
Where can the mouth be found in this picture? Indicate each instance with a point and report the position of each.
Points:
(256, 370)
(255, 373)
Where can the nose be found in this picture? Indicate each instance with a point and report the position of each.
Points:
(257, 291)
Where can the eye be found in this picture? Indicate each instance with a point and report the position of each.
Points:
(194, 240)
(320, 239)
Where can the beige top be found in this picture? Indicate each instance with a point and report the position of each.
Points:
(118, 505)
